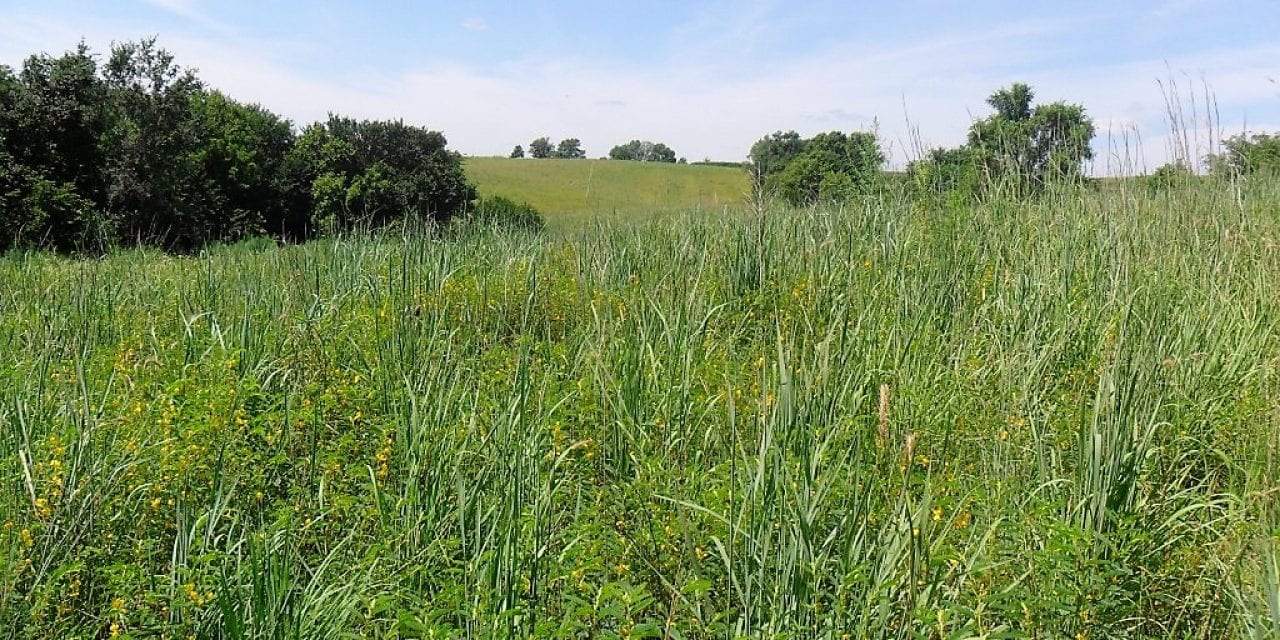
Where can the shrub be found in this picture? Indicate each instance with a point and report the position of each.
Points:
(1169, 176)
(497, 211)
(1245, 154)
(952, 172)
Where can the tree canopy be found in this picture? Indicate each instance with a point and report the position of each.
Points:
(1020, 148)
(831, 166)
(136, 150)
(570, 149)
(1245, 154)
(643, 151)
(541, 148)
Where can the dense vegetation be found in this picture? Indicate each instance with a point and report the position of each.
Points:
(1019, 151)
(1050, 419)
(135, 150)
(829, 167)
(643, 151)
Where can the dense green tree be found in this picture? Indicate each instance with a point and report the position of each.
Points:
(36, 211)
(136, 151)
(772, 153)
(643, 151)
(151, 149)
(517, 152)
(1024, 147)
(53, 116)
(369, 173)
(56, 116)
(541, 148)
(832, 166)
(570, 149)
(1244, 154)
(242, 186)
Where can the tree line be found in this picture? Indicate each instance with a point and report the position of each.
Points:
(134, 150)
(1019, 149)
(571, 149)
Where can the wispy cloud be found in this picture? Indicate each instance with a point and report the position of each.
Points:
(475, 24)
(189, 10)
(1173, 8)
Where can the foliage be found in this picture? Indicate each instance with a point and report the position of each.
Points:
(1169, 176)
(833, 166)
(366, 174)
(52, 117)
(136, 151)
(643, 151)
(240, 162)
(497, 211)
(517, 152)
(773, 153)
(541, 148)
(569, 149)
(151, 148)
(1246, 154)
(1025, 148)
(952, 172)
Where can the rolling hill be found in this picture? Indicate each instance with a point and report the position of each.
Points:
(569, 191)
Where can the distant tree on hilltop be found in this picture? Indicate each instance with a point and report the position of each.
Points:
(570, 149)
(643, 151)
(517, 152)
(541, 148)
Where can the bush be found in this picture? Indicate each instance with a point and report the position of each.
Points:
(372, 173)
(497, 211)
(956, 173)
(833, 167)
(1257, 153)
(1169, 176)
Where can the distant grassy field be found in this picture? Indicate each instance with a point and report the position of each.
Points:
(568, 191)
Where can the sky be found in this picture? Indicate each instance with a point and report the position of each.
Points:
(709, 78)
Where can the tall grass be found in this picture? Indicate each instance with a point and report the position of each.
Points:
(891, 420)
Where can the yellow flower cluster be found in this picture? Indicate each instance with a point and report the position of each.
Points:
(194, 595)
(384, 457)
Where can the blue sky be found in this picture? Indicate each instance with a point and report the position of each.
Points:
(707, 78)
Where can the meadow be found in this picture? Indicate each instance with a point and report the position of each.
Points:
(893, 419)
(577, 192)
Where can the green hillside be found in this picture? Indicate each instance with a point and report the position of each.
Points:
(578, 190)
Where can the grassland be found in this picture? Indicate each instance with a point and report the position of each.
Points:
(894, 420)
(571, 192)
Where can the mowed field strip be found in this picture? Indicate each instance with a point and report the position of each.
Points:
(573, 191)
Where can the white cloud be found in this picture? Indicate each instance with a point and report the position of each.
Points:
(475, 24)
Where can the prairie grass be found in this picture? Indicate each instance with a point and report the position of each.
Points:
(891, 420)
